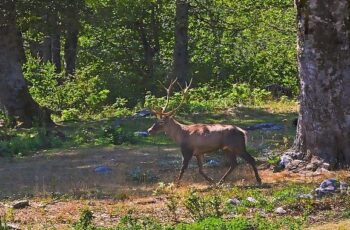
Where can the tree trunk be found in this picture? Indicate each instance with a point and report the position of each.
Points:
(151, 46)
(55, 40)
(323, 131)
(70, 49)
(181, 57)
(46, 49)
(21, 51)
(14, 94)
(71, 44)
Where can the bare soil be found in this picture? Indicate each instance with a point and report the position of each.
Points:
(60, 185)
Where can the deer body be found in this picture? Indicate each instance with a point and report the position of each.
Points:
(198, 139)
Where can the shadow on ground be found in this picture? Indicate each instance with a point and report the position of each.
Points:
(72, 172)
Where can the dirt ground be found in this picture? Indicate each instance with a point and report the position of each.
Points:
(60, 185)
(73, 171)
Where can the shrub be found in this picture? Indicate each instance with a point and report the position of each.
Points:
(85, 221)
(201, 208)
(118, 135)
(142, 176)
(216, 223)
(70, 114)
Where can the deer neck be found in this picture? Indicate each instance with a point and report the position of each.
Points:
(175, 130)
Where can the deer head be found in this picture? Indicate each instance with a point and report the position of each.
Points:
(162, 116)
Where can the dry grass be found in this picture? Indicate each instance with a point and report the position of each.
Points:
(113, 195)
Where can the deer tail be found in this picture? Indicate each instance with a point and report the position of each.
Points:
(245, 133)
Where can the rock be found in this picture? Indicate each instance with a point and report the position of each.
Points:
(233, 201)
(305, 196)
(12, 226)
(294, 164)
(251, 199)
(311, 167)
(20, 204)
(141, 134)
(325, 166)
(142, 113)
(102, 169)
(285, 160)
(266, 127)
(328, 182)
(327, 187)
(41, 205)
(322, 171)
(212, 163)
(280, 210)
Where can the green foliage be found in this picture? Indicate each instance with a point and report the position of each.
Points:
(3, 226)
(26, 142)
(126, 46)
(142, 176)
(201, 208)
(289, 194)
(211, 99)
(118, 135)
(70, 114)
(216, 223)
(84, 93)
(130, 222)
(274, 159)
(172, 204)
(85, 221)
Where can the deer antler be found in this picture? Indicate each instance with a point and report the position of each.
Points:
(168, 92)
(184, 93)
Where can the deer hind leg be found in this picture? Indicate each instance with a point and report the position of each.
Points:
(200, 168)
(187, 155)
(247, 157)
(233, 163)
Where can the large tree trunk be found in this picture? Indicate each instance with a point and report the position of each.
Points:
(72, 31)
(151, 46)
(70, 49)
(55, 40)
(181, 57)
(323, 131)
(14, 94)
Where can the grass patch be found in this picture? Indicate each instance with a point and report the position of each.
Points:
(121, 131)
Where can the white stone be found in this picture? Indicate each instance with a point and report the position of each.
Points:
(280, 210)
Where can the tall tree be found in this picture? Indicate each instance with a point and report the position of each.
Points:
(181, 56)
(14, 94)
(72, 27)
(323, 132)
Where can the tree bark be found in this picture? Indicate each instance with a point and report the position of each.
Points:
(21, 51)
(151, 46)
(14, 94)
(72, 31)
(181, 56)
(323, 131)
(55, 40)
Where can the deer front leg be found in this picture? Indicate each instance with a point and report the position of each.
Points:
(233, 163)
(200, 168)
(187, 155)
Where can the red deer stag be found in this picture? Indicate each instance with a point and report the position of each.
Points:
(198, 139)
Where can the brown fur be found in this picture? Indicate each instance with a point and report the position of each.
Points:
(198, 139)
